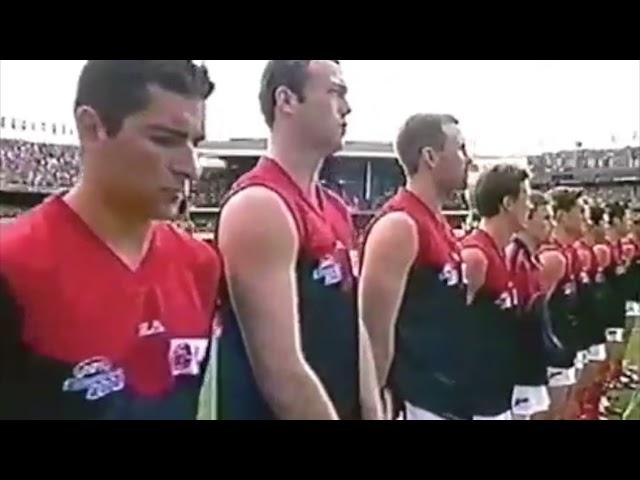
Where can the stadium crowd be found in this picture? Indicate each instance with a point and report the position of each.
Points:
(568, 160)
(46, 167)
(38, 165)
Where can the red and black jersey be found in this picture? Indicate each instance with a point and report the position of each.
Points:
(84, 336)
(326, 302)
(629, 250)
(633, 273)
(616, 266)
(525, 269)
(431, 366)
(564, 304)
(499, 286)
(593, 295)
(495, 312)
(615, 274)
(589, 266)
(573, 266)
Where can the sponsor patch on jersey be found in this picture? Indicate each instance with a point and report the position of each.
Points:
(97, 377)
(329, 271)
(186, 355)
(449, 275)
(569, 288)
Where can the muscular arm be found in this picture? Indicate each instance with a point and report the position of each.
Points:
(259, 245)
(391, 248)
(475, 265)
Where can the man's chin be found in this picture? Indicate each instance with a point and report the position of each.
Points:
(167, 213)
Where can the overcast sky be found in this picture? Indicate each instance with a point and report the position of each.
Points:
(505, 107)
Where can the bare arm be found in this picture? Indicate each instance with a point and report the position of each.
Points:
(389, 253)
(585, 260)
(259, 245)
(553, 269)
(475, 266)
(369, 387)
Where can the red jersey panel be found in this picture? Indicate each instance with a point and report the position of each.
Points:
(106, 328)
(499, 284)
(525, 267)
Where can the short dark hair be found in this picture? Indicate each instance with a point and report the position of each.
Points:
(292, 74)
(494, 185)
(564, 199)
(616, 210)
(419, 131)
(596, 214)
(537, 199)
(116, 89)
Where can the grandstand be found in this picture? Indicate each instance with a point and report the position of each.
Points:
(364, 174)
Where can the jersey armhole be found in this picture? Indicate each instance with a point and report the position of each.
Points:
(297, 218)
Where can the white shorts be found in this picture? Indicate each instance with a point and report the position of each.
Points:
(582, 358)
(561, 377)
(529, 400)
(633, 309)
(417, 413)
(597, 353)
(614, 335)
(503, 416)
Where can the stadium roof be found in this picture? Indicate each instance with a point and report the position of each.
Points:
(253, 147)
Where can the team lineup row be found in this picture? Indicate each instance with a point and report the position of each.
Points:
(107, 311)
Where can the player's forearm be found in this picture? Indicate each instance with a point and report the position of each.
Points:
(379, 328)
(297, 394)
(369, 387)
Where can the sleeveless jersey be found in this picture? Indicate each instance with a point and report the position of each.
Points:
(326, 303)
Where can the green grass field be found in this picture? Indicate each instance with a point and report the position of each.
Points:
(629, 400)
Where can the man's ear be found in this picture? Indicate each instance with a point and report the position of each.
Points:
(90, 127)
(507, 203)
(428, 156)
(285, 99)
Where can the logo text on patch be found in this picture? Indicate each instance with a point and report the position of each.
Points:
(97, 377)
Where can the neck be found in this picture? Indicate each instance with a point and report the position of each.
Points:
(301, 163)
(562, 236)
(116, 226)
(497, 229)
(425, 190)
(528, 239)
(614, 236)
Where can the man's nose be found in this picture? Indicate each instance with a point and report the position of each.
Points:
(186, 164)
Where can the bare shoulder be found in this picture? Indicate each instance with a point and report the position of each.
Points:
(395, 225)
(394, 235)
(474, 258)
(257, 219)
(602, 254)
(553, 262)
